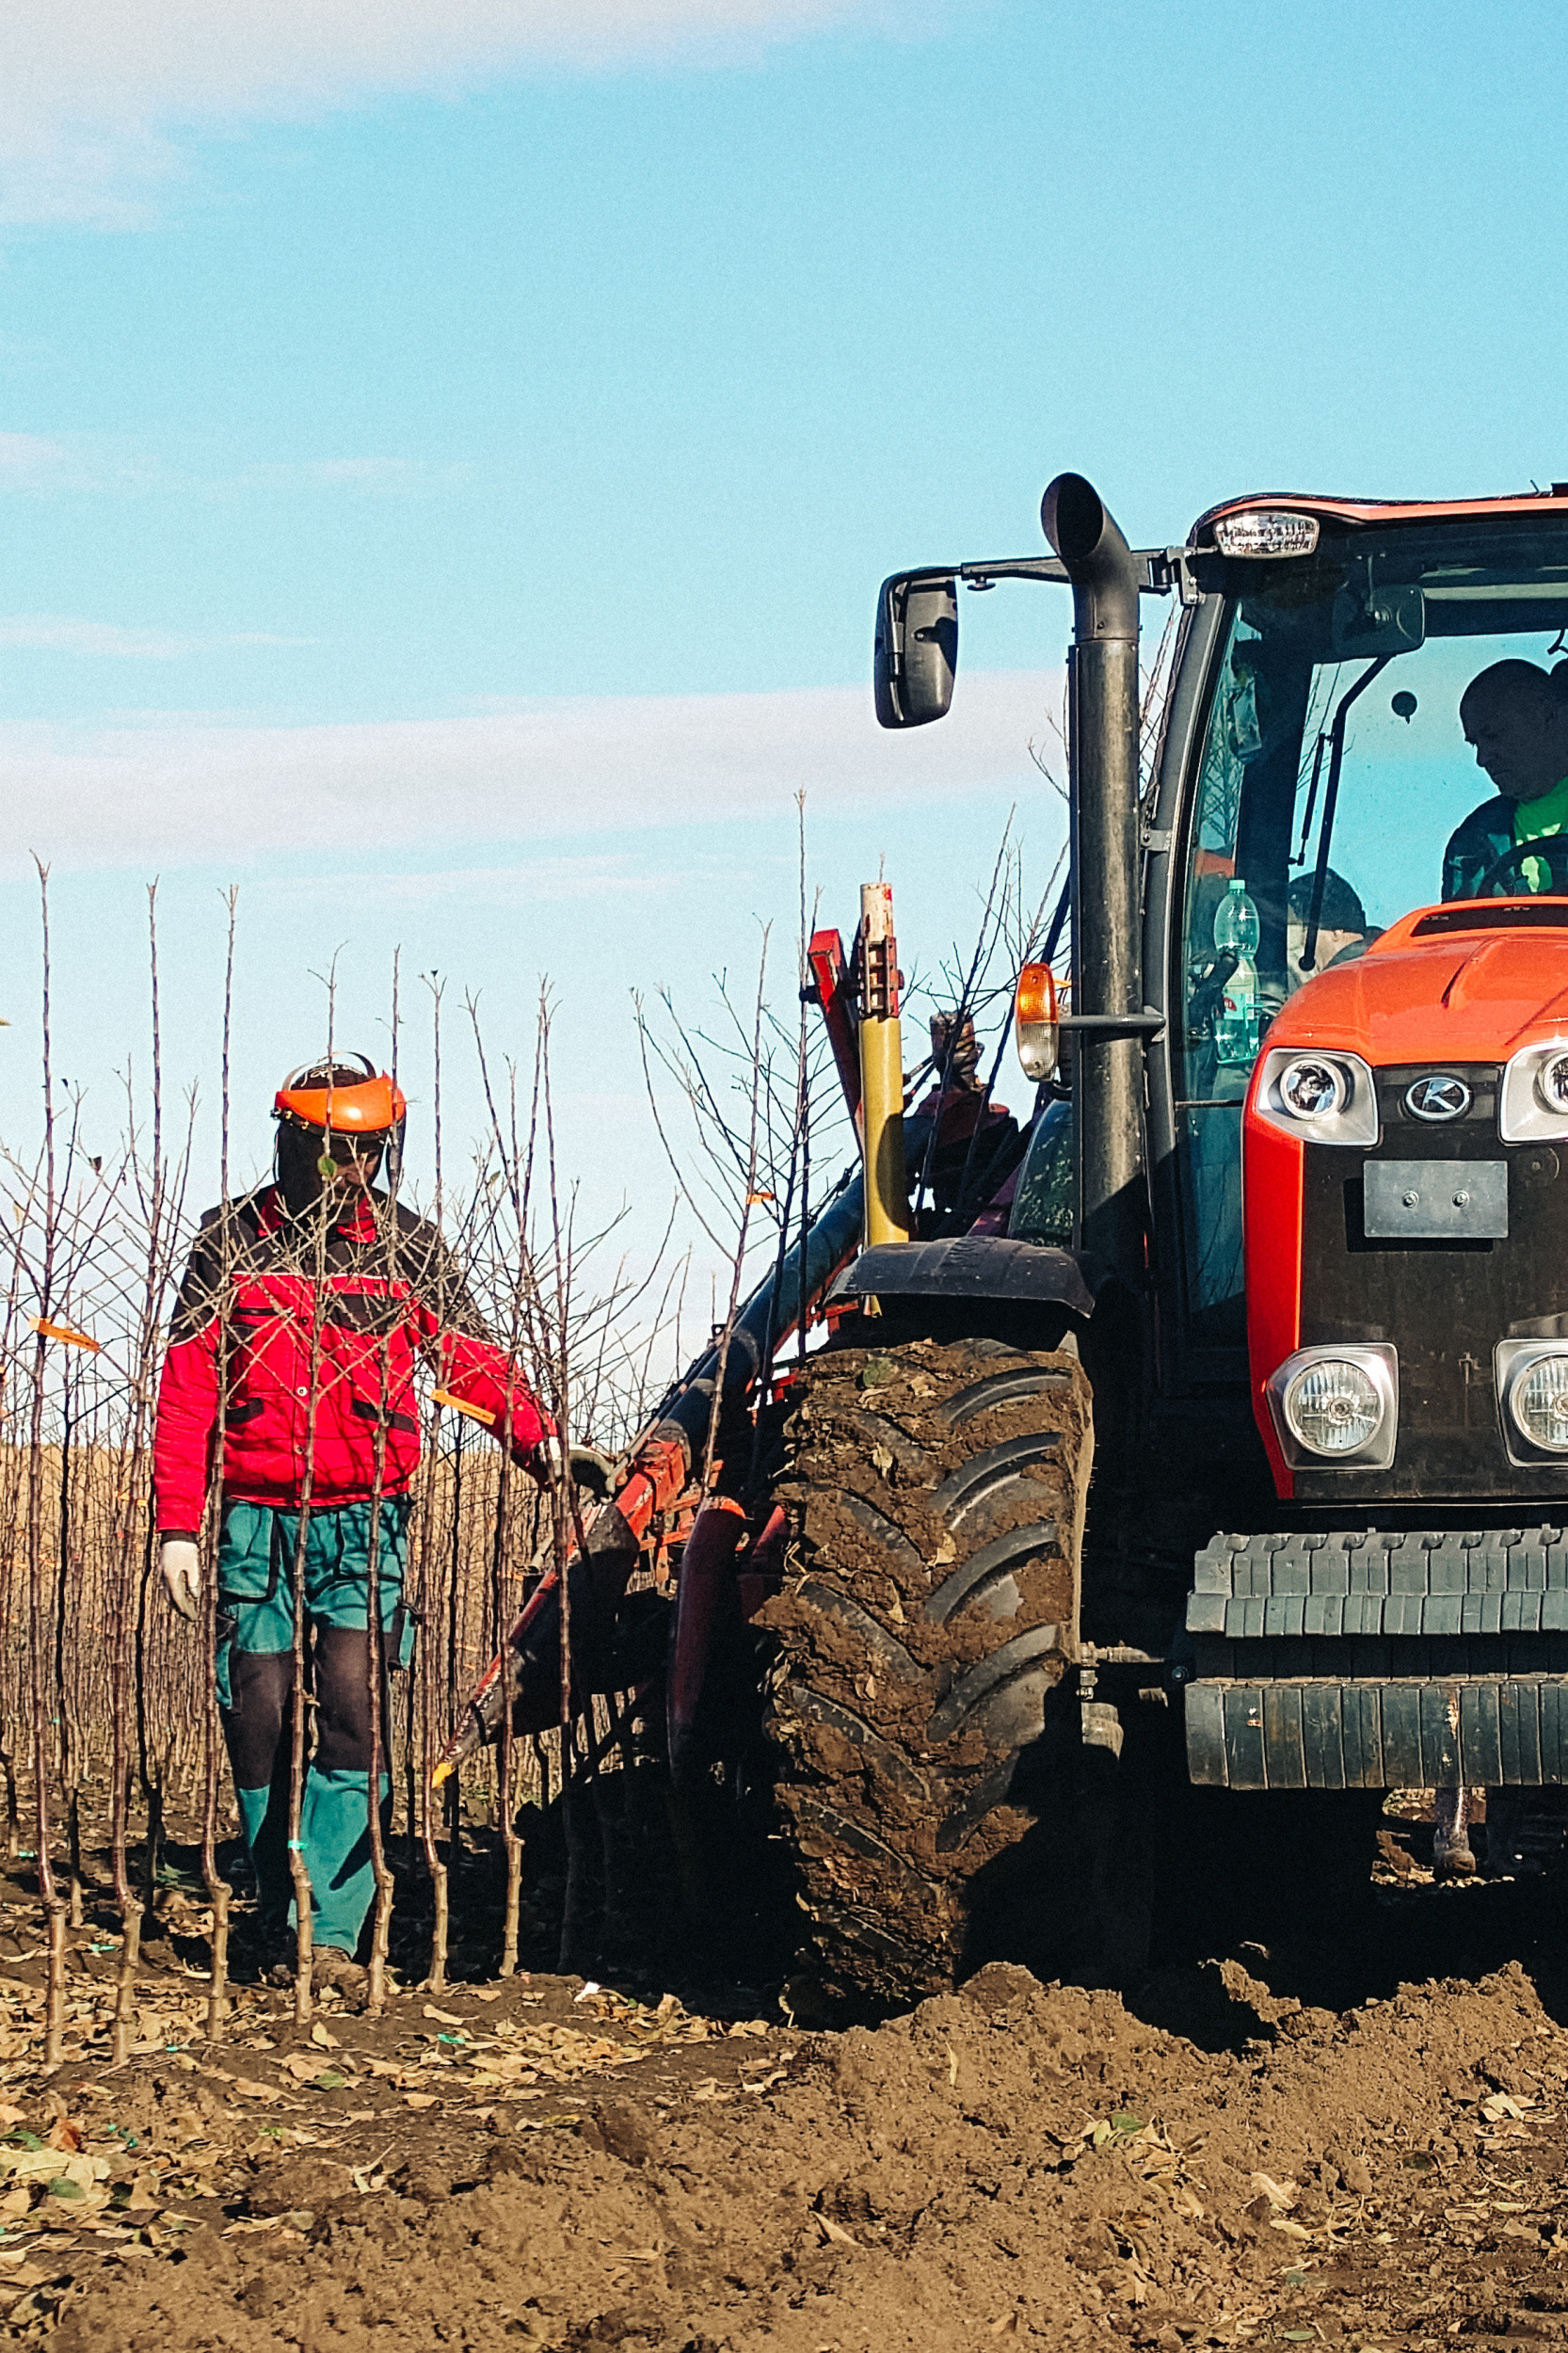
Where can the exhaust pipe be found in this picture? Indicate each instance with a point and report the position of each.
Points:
(1103, 722)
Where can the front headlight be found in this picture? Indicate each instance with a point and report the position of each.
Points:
(1312, 1089)
(1319, 1099)
(1337, 1405)
(1333, 1408)
(1532, 1382)
(1533, 1100)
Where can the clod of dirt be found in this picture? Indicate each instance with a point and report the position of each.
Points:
(1309, 2026)
(424, 2179)
(623, 2129)
(1000, 1983)
(300, 2181)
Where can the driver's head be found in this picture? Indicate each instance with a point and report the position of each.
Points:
(1516, 717)
(336, 1121)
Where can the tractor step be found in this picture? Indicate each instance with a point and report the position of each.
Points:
(1497, 1582)
(1368, 1661)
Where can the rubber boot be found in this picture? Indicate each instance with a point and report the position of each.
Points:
(334, 1834)
(1451, 1858)
(265, 1819)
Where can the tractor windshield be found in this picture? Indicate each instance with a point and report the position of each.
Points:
(1337, 788)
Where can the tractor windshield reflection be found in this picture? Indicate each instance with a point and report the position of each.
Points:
(1340, 786)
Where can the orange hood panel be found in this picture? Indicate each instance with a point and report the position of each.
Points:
(1467, 998)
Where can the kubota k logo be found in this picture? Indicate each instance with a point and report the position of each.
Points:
(1438, 1096)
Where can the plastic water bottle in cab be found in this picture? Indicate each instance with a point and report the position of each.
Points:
(1236, 1032)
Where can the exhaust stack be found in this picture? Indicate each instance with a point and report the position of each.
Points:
(1103, 719)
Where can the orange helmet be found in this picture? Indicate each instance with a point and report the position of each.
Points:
(340, 1099)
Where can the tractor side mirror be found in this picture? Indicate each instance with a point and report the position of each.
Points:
(916, 647)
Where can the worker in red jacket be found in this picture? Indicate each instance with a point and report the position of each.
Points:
(306, 1309)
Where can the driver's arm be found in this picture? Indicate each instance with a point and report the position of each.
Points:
(1475, 847)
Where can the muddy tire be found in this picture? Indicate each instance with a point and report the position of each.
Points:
(931, 1610)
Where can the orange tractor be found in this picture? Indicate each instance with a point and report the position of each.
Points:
(1190, 1463)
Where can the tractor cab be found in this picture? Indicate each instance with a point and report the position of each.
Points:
(1331, 787)
(1367, 718)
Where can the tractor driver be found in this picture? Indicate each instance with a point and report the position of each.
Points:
(1516, 717)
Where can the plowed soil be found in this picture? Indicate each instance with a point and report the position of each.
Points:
(1361, 2147)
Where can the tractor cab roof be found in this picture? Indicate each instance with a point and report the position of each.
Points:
(1377, 512)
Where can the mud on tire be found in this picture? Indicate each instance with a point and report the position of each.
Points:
(936, 1495)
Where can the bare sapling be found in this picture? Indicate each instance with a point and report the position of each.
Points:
(67, 1741)
(518, 1189)
(375, 1702)
(517, 1172)
(452, 1788)
(750, 1199)
(298, 1869)
(219, 1891)
(299, 1705)
(129, 1525)
(54, 1907)
(552, 1347)
(557, 1358)
(15, 1717)
(121, 1620)
(511, 1842)
(375, 1659)
(427, 1690)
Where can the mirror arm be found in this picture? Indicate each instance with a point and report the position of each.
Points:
(1149, 1023)
(1160, 570)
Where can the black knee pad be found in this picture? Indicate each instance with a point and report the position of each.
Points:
(260, 1684)
(343, 1699)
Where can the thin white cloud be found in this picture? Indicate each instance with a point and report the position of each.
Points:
(29, 460)
(42, 463)
(50, 633)
(90, 89)
(530, 882)
(188, 791)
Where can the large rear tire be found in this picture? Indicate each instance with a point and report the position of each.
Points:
(931, 1610)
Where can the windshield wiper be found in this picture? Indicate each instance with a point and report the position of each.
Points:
(1331, 799)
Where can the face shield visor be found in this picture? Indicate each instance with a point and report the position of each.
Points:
(334, 1116)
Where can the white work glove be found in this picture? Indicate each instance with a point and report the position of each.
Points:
(181, 1564)
(583, 1466)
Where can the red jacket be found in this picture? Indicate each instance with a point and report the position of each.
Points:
(244, 1329)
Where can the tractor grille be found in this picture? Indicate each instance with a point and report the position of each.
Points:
(1442, 1303)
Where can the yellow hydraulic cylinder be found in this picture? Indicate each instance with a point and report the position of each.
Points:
(882, 1070)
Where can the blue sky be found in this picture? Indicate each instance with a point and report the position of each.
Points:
(447, 454)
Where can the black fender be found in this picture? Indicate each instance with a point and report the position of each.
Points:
(977, 1265)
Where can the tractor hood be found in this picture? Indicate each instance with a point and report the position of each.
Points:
(1406, 1235)
(1428, 990)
